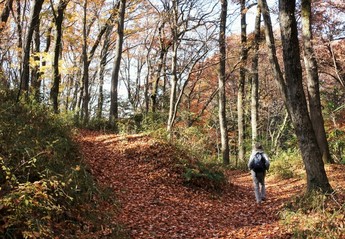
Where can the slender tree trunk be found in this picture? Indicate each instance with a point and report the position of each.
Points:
(34, 20)
(88, 56)
(182, 90)
(275, 138)
(292, 90)
(102, 65)
(163, 52)
(255, 79)
(54, 92)
(80, 112)
(221, 82)
(173, 66)
(85, 80)
(20, 41)
(313, 83)
(156, 81)
(138, 84)
(339, 72)
(74, 102)
(164, 87)
(69, 88)
(241, 84)
(46, 49)
(272, 52)
(36, 75)
(100, 94)
(146, 93)
(116, 68)
(172, 92)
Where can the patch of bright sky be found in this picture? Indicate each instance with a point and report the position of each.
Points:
(234, 18)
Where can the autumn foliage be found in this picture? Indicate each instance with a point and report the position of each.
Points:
(138, 186)
(142, 174)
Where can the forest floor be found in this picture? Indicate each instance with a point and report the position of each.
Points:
(155, 203)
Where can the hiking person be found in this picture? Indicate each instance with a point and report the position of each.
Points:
(258, 165)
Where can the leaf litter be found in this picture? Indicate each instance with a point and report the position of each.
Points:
(155, 203)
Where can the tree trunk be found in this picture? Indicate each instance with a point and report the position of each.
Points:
(36, 75)
(272, 53)
(313, 83)
(221, 83)
(184, 85)
(19, 25)
(173, 66)
(80, 84)
(54, 92)
(339, 72)
(34, 20)
(156, 81)
(146, 92)
(85, 79)
(102, 64)
(296, 101)
(46, 49)
(88, 56)
(135, 101)
(164, 87)
(241, 83)
(114, 115)
(162, 54)
(292, 90)
(172, 95)
(255, 79)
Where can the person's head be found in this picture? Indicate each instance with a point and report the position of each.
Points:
(258, 146)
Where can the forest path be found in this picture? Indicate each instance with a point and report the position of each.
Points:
(154, 202)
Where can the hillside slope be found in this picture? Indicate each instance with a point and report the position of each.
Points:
(155, 203)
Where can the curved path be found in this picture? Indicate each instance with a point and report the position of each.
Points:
(154, 203)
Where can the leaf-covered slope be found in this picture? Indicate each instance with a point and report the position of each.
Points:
(155, 203)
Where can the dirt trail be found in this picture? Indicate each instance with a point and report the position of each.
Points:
(155, 203)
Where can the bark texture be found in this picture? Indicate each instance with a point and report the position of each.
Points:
(313, 83)
(296, 100)
(114, 114)
(241, 84)
(34, 20)
(292, 91)
(221, 83)
(58, 38)
(255, 78)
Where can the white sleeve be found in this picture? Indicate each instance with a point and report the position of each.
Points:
(267, 163)
(251, 159)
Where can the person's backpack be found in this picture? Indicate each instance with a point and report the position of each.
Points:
(259, 163)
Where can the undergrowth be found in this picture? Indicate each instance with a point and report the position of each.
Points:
(208, 176)
(285, 165)
(315, 215)
(45, 189)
